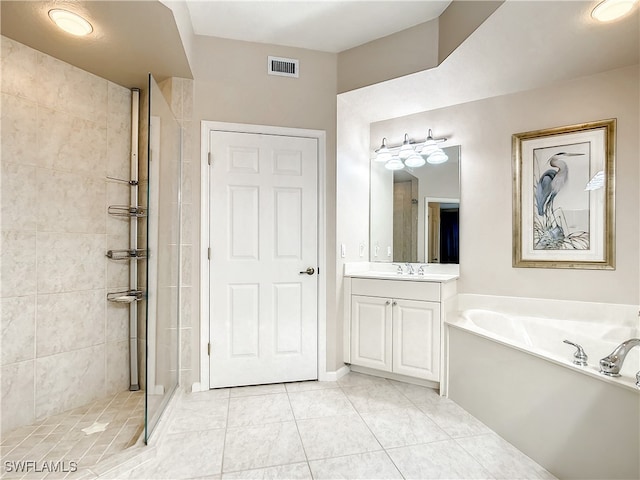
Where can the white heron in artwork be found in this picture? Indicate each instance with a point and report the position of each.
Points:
(552, 181)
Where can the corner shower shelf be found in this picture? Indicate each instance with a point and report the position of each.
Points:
(126, 296)
(136, 253)
(121, 180)
(126, 211)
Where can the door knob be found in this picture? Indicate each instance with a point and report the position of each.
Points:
(308, 271)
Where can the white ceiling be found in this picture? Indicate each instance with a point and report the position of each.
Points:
(325, 25)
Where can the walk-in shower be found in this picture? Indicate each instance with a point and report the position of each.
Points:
(79, 232)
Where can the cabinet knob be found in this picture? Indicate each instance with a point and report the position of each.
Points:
(388, 302)
(395, 303)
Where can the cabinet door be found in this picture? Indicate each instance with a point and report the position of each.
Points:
(371, 332)
(416, 339)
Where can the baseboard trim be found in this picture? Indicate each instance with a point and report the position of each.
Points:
(395, 376)
(198, 387)
(334, 376)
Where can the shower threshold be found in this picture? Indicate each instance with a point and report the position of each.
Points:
(74, 440)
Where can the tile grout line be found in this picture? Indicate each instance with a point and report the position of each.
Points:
(295, 420)
(478, 461)
(372, 433)
(450, 437)
(385, 449)
(224, 440)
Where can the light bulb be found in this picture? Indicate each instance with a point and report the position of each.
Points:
(383, 154)
(394, 164)
(70, 22)
(414, 161)
(610, 10)
(429, 146)
(406, 149)
(437, 157)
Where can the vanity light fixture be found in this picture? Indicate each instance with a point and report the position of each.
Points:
(437, 157)
(412, 155)
(383, 154)
(430, 145)
(610, 10)
(394, 164)
(415, 160)
(70, 22)
(406, 149)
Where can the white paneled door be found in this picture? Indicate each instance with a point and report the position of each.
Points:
(264, 256)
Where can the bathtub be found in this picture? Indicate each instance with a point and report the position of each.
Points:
(514, 373)
(543, 337)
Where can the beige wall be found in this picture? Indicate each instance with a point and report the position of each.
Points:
(63, 132)
(483, 129)
(231, 85)
(402, 53)
(460, 20)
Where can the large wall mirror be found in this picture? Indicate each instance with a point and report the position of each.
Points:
(414, 212)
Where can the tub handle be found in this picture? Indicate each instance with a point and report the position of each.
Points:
(579, 357)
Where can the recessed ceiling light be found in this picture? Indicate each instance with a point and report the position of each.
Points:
(70, 22)
(610, 10)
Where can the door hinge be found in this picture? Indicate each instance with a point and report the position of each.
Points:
(209, 253)
(209, 349)
(209, 158)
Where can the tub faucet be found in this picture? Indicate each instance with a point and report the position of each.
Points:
(579, 358)
(612, 363)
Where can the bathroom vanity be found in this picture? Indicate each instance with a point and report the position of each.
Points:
(394, 322)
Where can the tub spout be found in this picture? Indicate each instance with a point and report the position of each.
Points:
(612, 363)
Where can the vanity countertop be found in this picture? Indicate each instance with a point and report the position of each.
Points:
(433, 272)
(428, 277)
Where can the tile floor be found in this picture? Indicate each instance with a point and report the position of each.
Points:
(360, 427)
(117, 423)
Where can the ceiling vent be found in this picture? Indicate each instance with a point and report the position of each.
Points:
(284, 67)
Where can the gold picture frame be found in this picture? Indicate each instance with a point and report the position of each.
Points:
(564, 197)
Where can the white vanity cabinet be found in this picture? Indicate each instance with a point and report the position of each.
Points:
(371, 331)
(395, 326)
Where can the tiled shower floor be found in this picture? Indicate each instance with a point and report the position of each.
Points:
(115, 423)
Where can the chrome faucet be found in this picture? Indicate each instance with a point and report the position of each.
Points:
(410, 270)
(421, 269)
(579, 358)
(612, 363)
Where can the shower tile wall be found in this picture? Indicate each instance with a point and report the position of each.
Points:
(63, 132)
(179, 94)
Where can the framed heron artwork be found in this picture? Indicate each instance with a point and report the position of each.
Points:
(564, 197)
